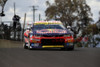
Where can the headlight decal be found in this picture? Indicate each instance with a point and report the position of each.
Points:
(36, 39)
(69, 39)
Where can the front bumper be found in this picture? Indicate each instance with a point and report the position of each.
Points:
(50, 42)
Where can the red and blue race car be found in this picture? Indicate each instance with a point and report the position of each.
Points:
(48, 34)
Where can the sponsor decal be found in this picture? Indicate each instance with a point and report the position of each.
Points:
(50, 31)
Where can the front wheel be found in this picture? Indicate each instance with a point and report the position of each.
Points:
(71, 48)
(25, 47)
(30, 47)
(68, 48)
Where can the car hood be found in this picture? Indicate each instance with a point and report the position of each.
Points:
(51, 32)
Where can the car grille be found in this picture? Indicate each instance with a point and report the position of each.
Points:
(52, 35)
(52, 41)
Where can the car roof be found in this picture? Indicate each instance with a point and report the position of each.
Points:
(47, 22)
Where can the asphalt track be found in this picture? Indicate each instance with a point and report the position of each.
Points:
(19, 57)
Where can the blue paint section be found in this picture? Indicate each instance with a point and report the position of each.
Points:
(32, 44)
(67, 44)
(36, 47)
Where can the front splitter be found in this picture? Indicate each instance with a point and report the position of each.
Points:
(53, 46)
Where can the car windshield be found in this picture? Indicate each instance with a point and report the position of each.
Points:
(39, 27)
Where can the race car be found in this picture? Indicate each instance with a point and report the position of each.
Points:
(48, 34)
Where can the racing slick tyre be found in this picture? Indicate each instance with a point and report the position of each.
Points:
(25, 47)
(68, 48)
(72, 48)
(62, 48)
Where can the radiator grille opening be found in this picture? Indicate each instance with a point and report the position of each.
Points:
(52, 41)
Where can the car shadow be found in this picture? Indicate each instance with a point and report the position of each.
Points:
(52, 49)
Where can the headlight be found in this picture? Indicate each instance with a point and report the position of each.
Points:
(67, 35)
(35, 39)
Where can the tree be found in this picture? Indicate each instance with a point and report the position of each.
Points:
(2, 4)
(98, 23)
(92, 28)
(70, 12)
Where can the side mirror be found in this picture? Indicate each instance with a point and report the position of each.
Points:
(68, 27)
